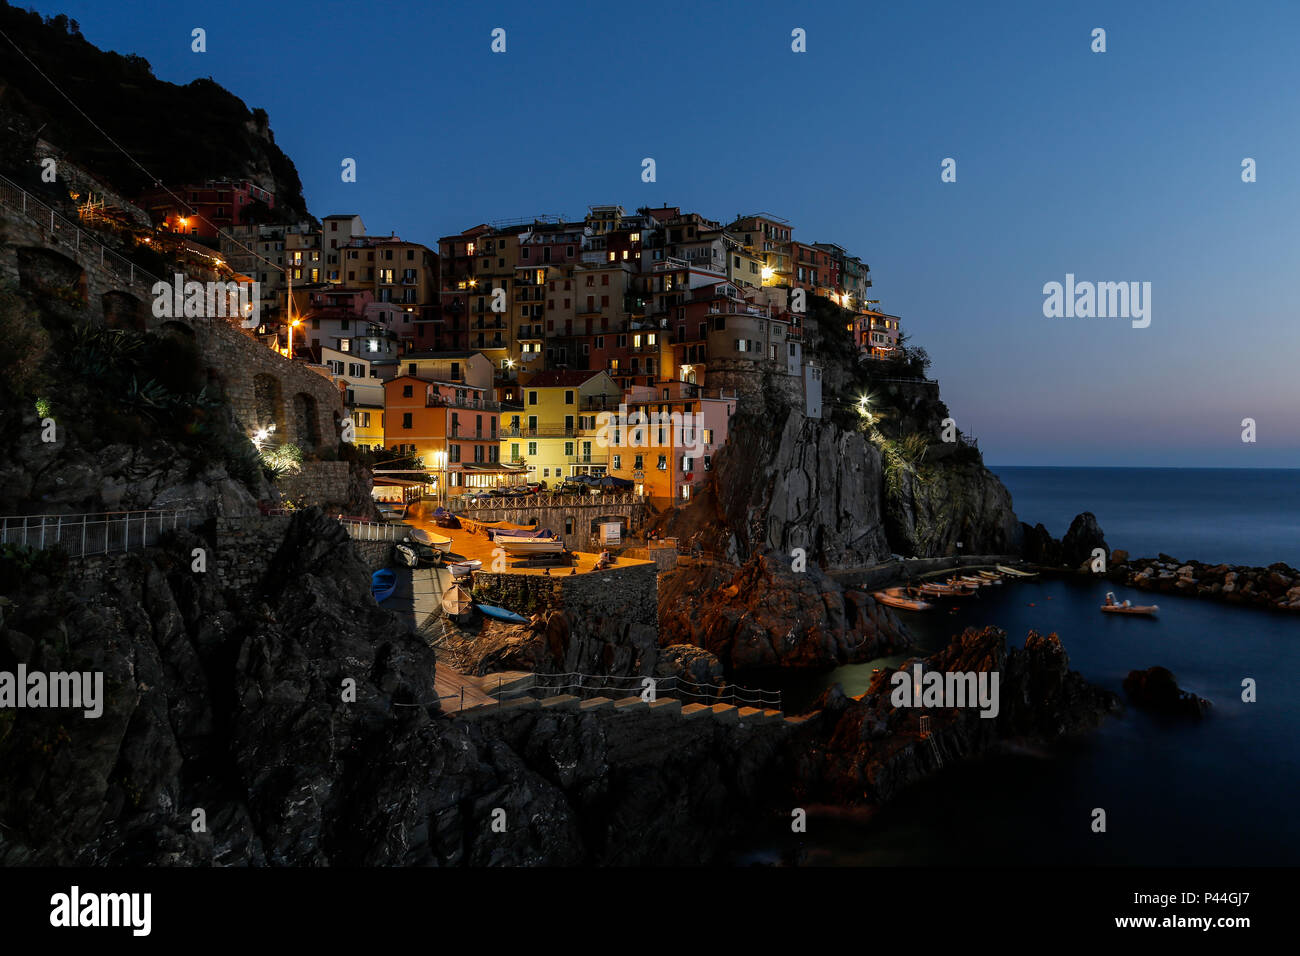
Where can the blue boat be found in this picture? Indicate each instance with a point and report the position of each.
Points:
(382, 584)
(501, 614)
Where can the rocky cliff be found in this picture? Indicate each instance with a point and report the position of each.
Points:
(867, 750)
(302, 724)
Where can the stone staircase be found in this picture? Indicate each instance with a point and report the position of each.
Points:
(608, 706)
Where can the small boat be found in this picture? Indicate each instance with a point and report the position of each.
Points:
(445, 519)
(501, 614)
(382, 584)
(897, 597)
(457, 603)
(406, 555)
(1016, 572)
(1114, 607)
(438, 541)
(463, 569)
(513, 545)
(944, 590)
(991, 576)
(388, 513)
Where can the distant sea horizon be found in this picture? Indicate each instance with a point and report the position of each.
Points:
(1210, 514)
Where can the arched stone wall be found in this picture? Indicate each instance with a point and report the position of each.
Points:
(122, 310)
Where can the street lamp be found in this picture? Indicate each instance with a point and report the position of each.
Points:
(292, 325)
(439, 461)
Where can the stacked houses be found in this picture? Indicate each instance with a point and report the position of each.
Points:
(548, 350)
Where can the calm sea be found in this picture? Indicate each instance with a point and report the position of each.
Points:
(1217, 515)
(1220, 791)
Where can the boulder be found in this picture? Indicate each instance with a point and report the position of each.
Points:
(1157, 690)
(1082, 539)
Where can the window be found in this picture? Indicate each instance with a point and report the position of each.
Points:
(453, 454)
(706, 436)
(638, 462)
(532, 398)
(686, 463)
(406, 420)
(532, 448)
(568, 525)
(663, 463)
(568, 449)
(617, 462)
(568, 397)
(408, 391)
(708, 462)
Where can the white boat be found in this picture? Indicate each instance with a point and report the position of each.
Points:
(441, 542)
(528, 545)
(1016, 572)
(462, 569)
(1113, 606)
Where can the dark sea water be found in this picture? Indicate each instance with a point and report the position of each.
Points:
(1218, 515)
(1221, 791)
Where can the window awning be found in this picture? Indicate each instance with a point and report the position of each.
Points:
(497, 468)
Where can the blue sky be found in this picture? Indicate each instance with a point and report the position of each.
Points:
(1115, 166)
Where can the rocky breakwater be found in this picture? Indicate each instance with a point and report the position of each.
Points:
(763, 614)
(1276, 586)
(866, 750)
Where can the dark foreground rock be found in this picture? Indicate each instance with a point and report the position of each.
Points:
(871, 750)
(299, 724)
(1157, 690)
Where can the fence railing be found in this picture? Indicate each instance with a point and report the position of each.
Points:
(86, 534)
(594, 685)
(67, 233)
(374, 530)
(477, 505)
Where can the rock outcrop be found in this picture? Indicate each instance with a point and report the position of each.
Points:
(763, 614)
(1083, 537)
(1156, 689)
(870, 750)
(949, 502)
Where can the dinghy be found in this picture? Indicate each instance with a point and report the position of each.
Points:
(1114, 607)
(513, 545)
(457, 603)
(501, 614)
(382, 584)
(463, 569)
(438, 541)
(1016, 572)
(897, 597)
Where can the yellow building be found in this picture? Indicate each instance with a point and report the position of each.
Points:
(555, 433)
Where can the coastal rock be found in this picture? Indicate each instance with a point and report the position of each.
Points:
(1083, 537)
(1276, 587)
(763, 614)
(870, 750)
(1157, 690)
(1038, 546)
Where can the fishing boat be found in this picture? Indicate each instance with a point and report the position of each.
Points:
(501, 614)
(394, 514)
(382, 584)
(1115, 607)
(991, 576)
(463, 569)
(970, 582)
(445, 519)
(945, 590)
(897, 597)
(513, 545)
(457, 603)
(1016, 572)
(438, 541)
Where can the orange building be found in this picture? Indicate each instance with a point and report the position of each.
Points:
(452, 427)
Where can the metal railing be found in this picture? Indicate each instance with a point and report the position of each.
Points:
(543, 500)
(67, 233)
(85, 534)
(374, 530)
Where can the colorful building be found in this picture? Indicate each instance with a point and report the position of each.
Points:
(553, 434)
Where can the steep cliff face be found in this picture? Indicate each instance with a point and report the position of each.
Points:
(785, 481)
(949, 501)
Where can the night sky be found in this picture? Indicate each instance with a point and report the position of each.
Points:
(1115, 166)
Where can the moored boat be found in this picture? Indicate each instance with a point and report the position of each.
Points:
(457, 603)
(897, 597)
(513, 545)
(462, 569)
(501, 614)
(382, 584)
(1113, 606)
(438, 541)
(1016, 572)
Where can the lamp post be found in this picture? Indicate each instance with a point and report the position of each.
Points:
(439, 462)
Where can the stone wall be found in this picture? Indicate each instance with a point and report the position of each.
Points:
(553, 512)
(245, 546)
(603, 622)
(375, 554)
(323, 483)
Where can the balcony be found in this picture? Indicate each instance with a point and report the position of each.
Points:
(474, 404)
(588, 459)
(542, 431)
